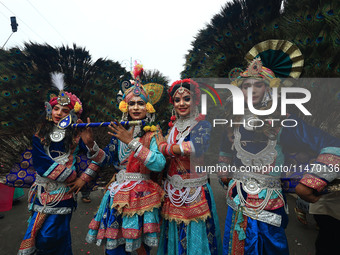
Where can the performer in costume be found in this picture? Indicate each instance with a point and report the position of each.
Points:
(326, 207)
(256, 216)
(51, 197)
(128, 221)
(190, 222)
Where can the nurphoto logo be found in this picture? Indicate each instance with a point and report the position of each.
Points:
(239, 105)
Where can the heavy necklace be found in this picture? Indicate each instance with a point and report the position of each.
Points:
(183, 126)
(264, 157)
(61, 159)
(57, 134)
(249, 118)
(137, 131)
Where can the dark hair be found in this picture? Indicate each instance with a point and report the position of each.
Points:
(184, 85)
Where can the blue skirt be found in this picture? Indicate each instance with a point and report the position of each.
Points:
(123, 234)
(202, 237)
(48, 234)
(260, 238)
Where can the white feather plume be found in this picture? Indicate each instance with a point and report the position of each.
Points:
(58, 80)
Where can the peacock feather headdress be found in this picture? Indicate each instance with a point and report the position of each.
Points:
(269, 61)
(64, 98)
(150, 93)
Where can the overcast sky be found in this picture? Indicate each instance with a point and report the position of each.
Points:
(155, 32)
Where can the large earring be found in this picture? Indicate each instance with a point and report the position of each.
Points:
(48, 109)
(74, 116)
(150, 117)
(174, 113)
(125, 116)
(266, 98)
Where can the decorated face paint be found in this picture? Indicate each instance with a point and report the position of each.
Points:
(137, 108)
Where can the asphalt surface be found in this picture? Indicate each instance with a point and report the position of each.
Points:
(13, 226)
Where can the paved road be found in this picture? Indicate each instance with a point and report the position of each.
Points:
(13, 226)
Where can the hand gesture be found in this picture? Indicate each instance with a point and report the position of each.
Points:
(117, 130)
(159, 137)
(86, 134)
(76, 186)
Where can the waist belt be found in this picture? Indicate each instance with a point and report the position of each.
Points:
(255, 183)
(122, 176)
(48, 184)
(264, 216)
(177, 182)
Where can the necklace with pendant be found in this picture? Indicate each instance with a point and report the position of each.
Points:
(137, 131)
(249, 120)
(183, 127)
(264, 157)
(57, 134)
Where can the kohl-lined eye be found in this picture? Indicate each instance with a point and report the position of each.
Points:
(177, 99)
(187, 99)
(259, 84)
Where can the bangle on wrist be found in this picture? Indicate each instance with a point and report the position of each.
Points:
(172, 149)
(169, 150)
(134, 144)
(161, 146)
(162, 143)
(181, 148)
(163, 149)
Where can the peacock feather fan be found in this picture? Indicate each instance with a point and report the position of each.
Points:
(25, 84)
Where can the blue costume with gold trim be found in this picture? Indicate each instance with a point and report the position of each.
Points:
(256, 217)
(48, 231)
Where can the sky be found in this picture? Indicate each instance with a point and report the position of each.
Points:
(156, 33)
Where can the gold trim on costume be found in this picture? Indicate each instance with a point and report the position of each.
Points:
(289, 48)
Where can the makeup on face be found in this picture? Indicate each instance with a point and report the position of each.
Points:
(137, 108)
(182, 103)
(59, 112)
(259, 89)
